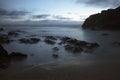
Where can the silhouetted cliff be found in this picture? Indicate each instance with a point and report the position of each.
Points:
(106, 20)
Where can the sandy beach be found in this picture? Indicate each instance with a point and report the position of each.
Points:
(69, 70)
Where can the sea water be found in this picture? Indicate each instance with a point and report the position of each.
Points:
(41, 53)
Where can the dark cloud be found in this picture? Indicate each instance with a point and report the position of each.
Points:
(101, 3)
(42, 16)
(4, 13)
(61, 17)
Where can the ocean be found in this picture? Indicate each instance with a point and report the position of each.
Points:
(41, 52)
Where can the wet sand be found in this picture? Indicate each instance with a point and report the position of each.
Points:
(69, 70)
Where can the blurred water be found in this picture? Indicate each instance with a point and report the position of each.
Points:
(42, 53)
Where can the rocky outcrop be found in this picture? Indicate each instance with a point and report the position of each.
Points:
(3, 52)
(4, 60)
(106, 20)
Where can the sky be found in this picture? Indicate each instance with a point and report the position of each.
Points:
(51, 10)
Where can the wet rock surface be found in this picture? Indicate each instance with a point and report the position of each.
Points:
(3, 52)
(29, 41)
(4, 60)
(13, 33)
(55, 49)
(51, 37)
(73, 48)
(77, 46)
(49, 41)
(17, 54)
(4, 39)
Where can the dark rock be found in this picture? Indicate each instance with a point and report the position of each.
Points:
(65, 39)
(1, 29)
(4, 39)
(4, 60)
(3, 52)
(13, 33)
(60, 43)
(82, 43)
(51, 37)
(24, 40)
(92, 45)
(106, 20)
(73, 48)
(35, 40)
(17, 54)
(49, 41)
(76, 46)
(55, 55)
(55, 49)
(73, 41)
(30, 41)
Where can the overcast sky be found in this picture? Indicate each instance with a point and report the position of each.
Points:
(64, 10)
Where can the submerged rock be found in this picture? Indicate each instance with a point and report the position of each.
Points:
(55, 49)
(55, 55)
(76, 46)
(4, 39)
(30, 41)
(49, 41)
(73, 48)
(13, 33)
(35, 40)
(51, 37)
(92, 45)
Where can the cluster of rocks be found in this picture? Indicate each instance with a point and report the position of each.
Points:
(30, 40)
(6, 58)
(13, 33)
(69, 44)
(50, 40)
(76, 46)
(6, 38)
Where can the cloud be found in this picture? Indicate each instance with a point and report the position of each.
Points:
(48, 16)
(41, 16)
(4, 13)
(101, 3)
(61, 18)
